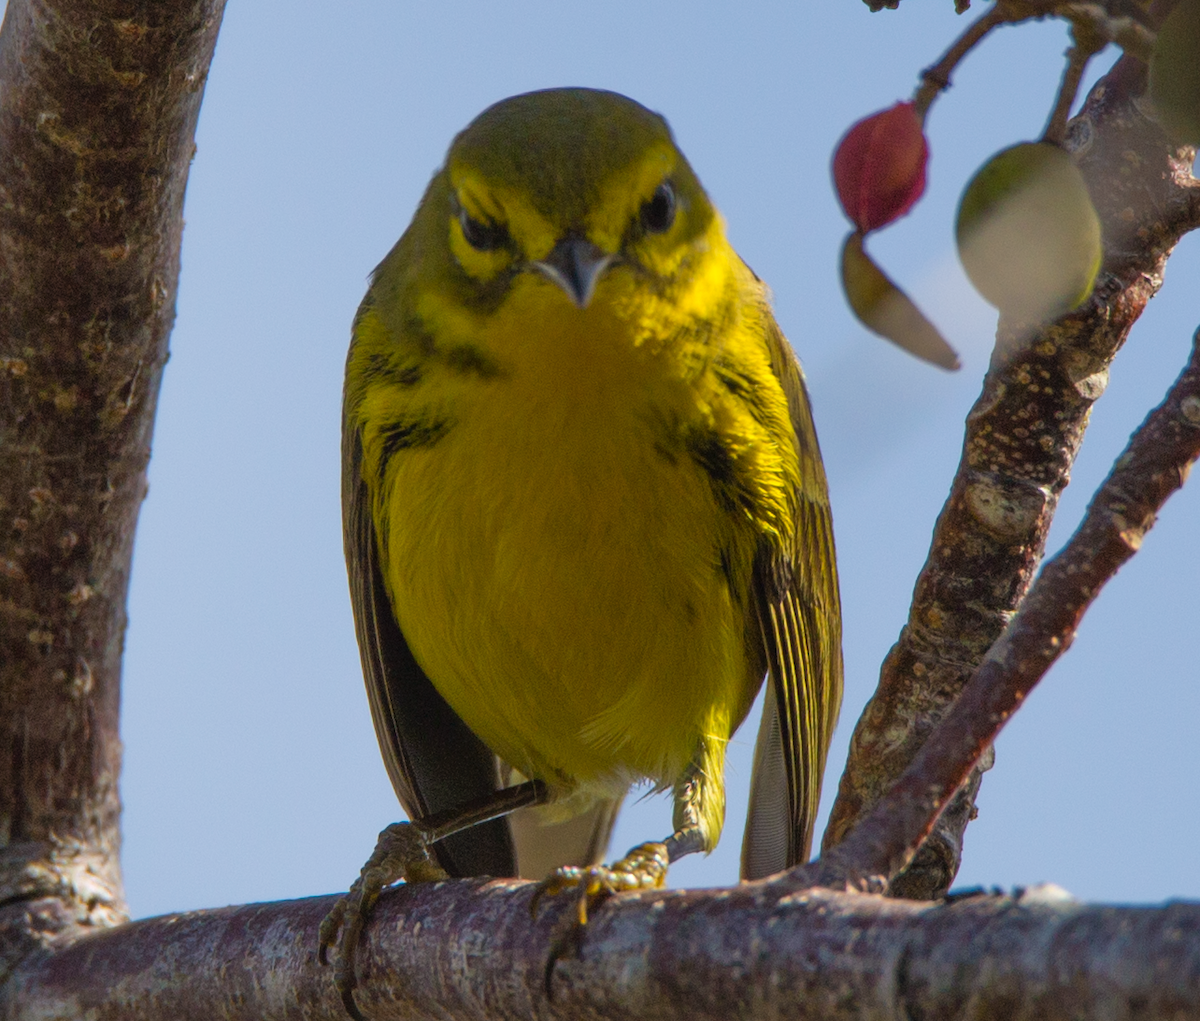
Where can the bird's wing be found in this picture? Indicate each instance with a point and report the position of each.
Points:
(434, 761)
(799, 614)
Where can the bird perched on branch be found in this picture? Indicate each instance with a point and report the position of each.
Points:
(585, 514)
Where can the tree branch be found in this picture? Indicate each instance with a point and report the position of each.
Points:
(1021, 440)
(467, 949)
(97, 117)
(1152, 467)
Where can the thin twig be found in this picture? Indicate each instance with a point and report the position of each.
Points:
(1128, 33)
(1152, 467)
(1087, 44)
(936, 77)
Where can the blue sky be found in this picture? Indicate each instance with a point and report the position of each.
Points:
(251, 769)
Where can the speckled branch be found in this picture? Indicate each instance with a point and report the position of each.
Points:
(1152, 467)
(98, 109)
(1022, 437)
(468, 950)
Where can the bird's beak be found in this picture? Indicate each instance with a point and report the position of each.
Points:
(575, 264)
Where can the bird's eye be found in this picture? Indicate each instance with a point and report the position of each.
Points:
(486, 237)
(659, 213)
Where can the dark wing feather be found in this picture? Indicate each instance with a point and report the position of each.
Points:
(799, 614)
(435, 762)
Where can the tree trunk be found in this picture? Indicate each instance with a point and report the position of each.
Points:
(97, 116)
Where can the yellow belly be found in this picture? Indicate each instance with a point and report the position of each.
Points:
(559, 576)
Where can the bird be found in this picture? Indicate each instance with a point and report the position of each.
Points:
(585, 515)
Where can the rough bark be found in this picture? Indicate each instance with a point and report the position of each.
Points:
(468, 950)
(1152, 467)
(97, 117)
(1021, 440)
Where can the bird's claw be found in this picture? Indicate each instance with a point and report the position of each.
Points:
(402, 852)
(643, 868)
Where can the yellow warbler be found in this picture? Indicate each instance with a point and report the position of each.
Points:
(585, 514)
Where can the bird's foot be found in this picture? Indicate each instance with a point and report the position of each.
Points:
(402, 852)
(643, 868)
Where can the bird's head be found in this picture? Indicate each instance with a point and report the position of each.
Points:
(571, 185)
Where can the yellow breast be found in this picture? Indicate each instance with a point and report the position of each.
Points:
(560, 564)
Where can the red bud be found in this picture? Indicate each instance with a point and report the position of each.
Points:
(879, 167)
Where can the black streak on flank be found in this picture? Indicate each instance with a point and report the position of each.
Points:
(666, 454)
(407, 435)
(734, 382)
(666, 433)
(707, 451)
(726, 562)
(463, 359)
(725, 565)
(379, 367)
(406, 376)
(415, 328)
(468, 360)
(742, 388)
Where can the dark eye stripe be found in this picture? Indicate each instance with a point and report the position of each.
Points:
(659, 212)
(486, 237)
